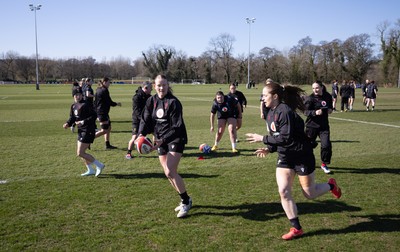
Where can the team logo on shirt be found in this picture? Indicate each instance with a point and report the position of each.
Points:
(160, 113)
(273, 127)
(323, 103)
(224, 109)
(76, 112)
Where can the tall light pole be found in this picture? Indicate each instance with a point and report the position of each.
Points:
(249, 21)
(35, 8)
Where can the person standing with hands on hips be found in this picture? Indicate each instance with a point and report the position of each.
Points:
(103, 103)
(318, 106)
(295, 154)
(83, 115)
(163, 115)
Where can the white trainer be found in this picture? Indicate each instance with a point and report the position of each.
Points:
(325, 168)
(88, 173)
(183, 209)
(99, 169)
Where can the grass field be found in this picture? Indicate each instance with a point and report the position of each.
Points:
(46, 206)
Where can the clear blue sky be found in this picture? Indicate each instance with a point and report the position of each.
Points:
(106, 29)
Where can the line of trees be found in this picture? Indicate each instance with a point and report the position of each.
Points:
(305, 62)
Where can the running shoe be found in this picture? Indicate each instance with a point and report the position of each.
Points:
(325, 168)
(336, 191)
(88, 173)
(128, 156)
(235, 151)
(293, 233)
(99, 169)
(214, 148)
(183, 209)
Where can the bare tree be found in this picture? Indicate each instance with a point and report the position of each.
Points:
(222, 48)
(358, 55)
(156, 59)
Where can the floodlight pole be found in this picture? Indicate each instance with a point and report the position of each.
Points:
(35, 8)
(249, 21)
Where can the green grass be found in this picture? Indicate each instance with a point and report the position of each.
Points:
(46, 206)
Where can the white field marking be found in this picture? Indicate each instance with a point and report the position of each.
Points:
(5, 97)
(16, 121)
(3, 182)
(330, 117)
(372, 123)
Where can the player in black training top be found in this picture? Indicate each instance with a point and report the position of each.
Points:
(228, 110)
(163, 115)
(233, 92)
(295, 154)
(84, 116)
(103, 103)
(138, 102)
(318, 106)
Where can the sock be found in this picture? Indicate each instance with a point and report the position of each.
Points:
(108, 143)
(233, 145)
(184, 198)
(129, 152)
(216, 143)
(97, 163)
(295, 223)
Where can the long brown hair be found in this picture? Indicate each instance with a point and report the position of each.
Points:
(288, 94)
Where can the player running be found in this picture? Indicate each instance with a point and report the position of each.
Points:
(84, 116)
(163, 115)
(295, 154)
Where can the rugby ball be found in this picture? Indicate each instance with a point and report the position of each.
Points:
(143, 145)
(205, 148)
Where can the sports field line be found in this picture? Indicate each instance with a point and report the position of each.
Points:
(372, 123)
(330, 117)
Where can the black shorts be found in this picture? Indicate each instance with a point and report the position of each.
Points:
(135, 128)
(86, 137)
(175, 146)
(303, 166)
(103, 118)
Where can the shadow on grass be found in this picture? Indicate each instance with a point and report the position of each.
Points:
(367, 170)
(269, 211)
(153, 175)
(344, 141)
(366, 223)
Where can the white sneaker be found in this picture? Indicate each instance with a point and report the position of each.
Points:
(183, 209)
(325, 168)
(99, 169)
(88, 173)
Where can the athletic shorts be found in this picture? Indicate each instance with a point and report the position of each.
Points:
(135, 128)
(103, 118)
(86, 137)
(175, 146)
(303, 166)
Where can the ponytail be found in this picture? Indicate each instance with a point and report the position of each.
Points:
(288, 94)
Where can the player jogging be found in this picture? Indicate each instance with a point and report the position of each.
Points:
(84, 116)
(163, 115)
(295, 154)
(318, 106)
(103, 103)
